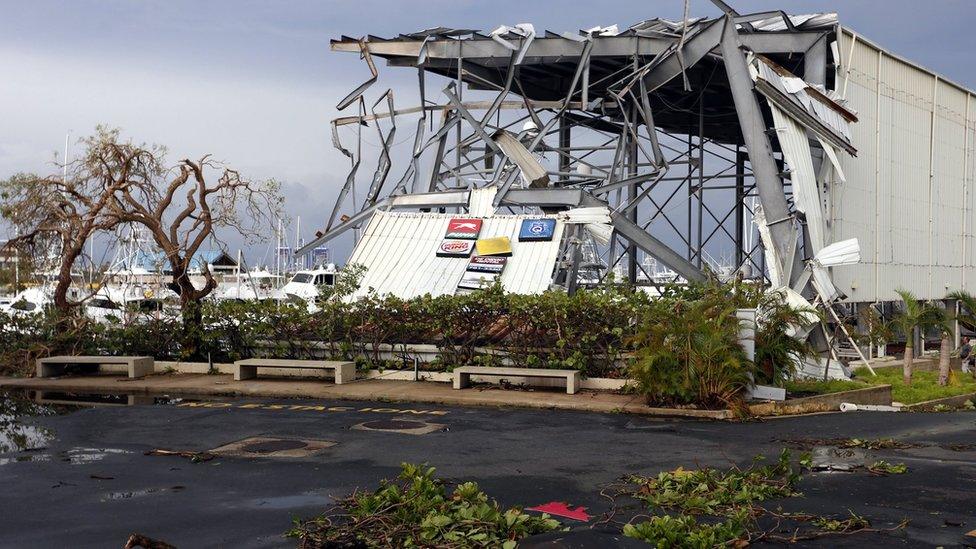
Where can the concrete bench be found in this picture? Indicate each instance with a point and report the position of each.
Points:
(137, 366)
(462, 375)
(248, 369)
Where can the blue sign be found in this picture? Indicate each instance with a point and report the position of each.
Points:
(537, 230)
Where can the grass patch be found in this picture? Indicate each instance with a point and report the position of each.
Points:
(802, 388)
(924, 387)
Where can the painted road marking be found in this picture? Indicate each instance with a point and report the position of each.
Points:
(308, 408)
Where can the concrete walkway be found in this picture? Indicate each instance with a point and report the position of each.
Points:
(371, 389)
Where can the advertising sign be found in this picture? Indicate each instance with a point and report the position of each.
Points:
(475, 281)
(499, 245)
(466, 229)
(454, 248)
(538, 230)
(487, 264)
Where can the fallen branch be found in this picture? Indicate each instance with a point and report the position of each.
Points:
(195, 457)
(139, 540)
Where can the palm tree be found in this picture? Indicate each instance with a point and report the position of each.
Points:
(944, 321)
(915, 314)
(968, 302)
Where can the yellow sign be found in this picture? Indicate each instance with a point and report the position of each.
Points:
(499, 245)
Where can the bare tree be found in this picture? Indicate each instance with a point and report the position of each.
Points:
(115, 182)
(184, 210)
(55, 216)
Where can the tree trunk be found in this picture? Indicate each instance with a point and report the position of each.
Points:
(60, 297)
(945, 348)
(192, 316)
(907, 363)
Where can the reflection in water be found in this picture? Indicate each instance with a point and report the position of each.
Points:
(16, 436)
(81, 456)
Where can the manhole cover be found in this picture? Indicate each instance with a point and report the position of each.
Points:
(394, 424)
(403, 426)
(269, 446)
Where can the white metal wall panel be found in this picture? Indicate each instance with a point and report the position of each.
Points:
(948, 189)
(969, 220)
(399, 252)
(854, 202)
(906, 196)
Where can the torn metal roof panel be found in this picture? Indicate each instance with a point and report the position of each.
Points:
(399, 252)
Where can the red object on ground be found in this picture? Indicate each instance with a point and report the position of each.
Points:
(561, 509)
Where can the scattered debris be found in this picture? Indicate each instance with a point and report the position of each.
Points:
(849, 407)
(845, 526)
(195, 457)
(883, 468)
(417, 509)
(959, 447)
(866, 444)
(562, 509)
(729, 501)
(139, 540)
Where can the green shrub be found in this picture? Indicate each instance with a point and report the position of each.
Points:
(688, 351)
(686, 342)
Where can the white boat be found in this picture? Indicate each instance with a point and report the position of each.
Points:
(304, 285)
(254, 285)
(129, 304)
(31, 301)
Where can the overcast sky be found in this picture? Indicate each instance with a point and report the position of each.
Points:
(253, 82)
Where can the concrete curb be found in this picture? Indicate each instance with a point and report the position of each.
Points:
(363, 390)
(928, 405)
(831, 402)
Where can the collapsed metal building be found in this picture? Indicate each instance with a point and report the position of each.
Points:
(677, 140)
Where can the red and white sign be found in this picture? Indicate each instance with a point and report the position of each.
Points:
(463, 228)
(455, 248)
(487, 263)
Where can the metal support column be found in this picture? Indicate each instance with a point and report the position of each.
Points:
(740, 197)
(769, 186)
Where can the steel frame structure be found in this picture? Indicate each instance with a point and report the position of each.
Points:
(662, 124)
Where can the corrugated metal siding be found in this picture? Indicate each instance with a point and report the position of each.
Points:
(969, 241)
(905, 194)
(793, 141)
(399, 252)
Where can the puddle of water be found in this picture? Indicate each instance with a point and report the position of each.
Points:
(81, 456)
(828, 459)
(291, 502)
(25, 459)
(15, 434)
(133, 494)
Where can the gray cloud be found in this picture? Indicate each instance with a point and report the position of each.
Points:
(253, 82)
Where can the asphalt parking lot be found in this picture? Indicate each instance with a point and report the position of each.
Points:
(89, 483)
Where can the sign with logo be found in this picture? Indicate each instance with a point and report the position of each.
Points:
(537, 230)
(499, 245)
(454, 248)
(476, 281)
(466, 229)
(487, 264)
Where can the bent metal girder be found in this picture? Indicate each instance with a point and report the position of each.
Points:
(597, 118)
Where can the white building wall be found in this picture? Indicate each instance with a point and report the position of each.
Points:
(906, 198)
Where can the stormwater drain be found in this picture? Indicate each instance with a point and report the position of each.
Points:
(404, 426)
(267, 447)
(271, 446)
